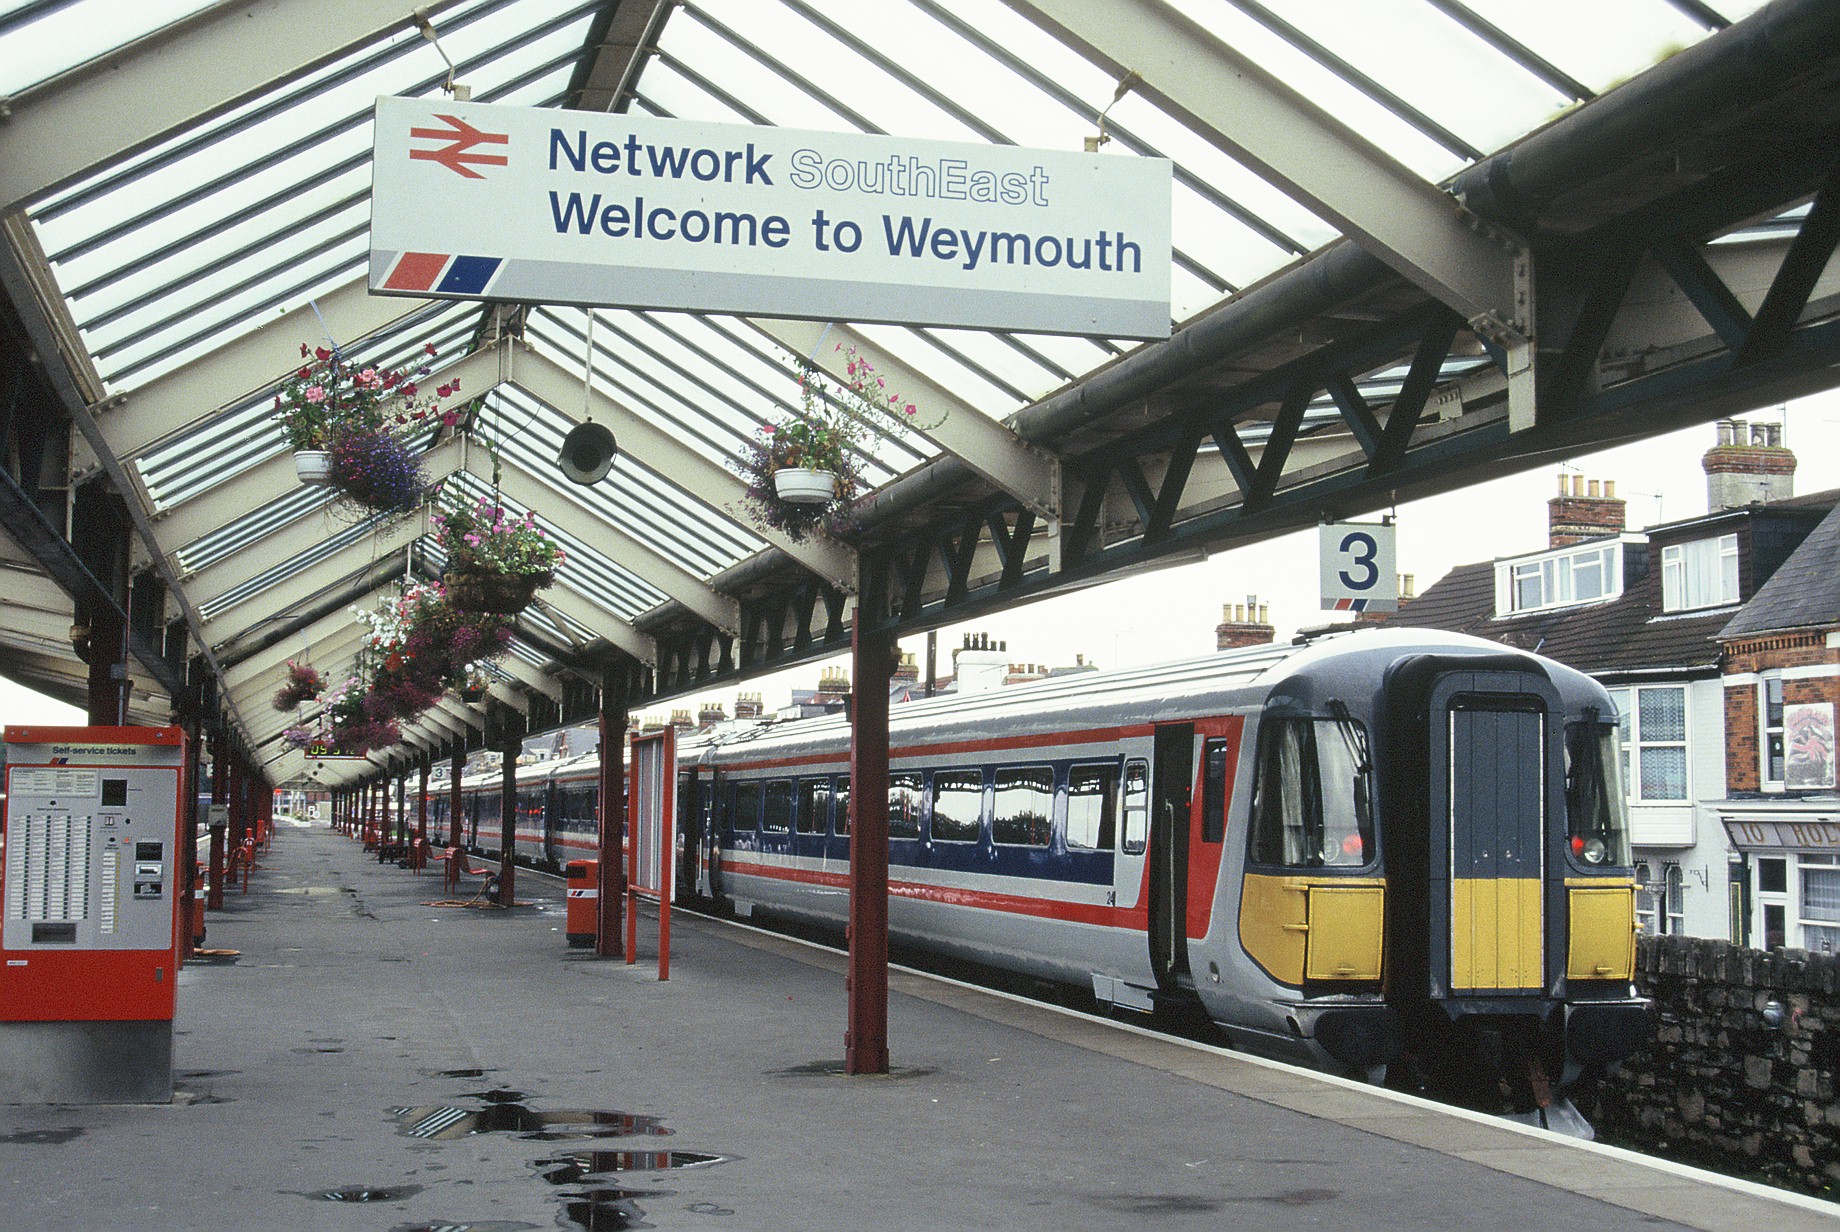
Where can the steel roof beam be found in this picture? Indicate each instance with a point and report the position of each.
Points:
(180, 75)
(583, 611)
(629, 553)
(544, 379)
(168, 406)
(1417, 229)
(328, 629)
(1030, 474)
(530, 677)
(315, 577)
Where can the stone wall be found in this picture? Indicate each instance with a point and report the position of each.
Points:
(1720, 1087)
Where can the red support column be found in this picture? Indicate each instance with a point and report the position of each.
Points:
(607, 938)
(865, 1046)
(455, 801)
(191, 906)
(108, 668)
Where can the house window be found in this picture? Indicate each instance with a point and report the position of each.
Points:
(1648, 900)
(1577, 576)
(1653, 727)
(1820, 904)
(1703, 573)
(1770, 711)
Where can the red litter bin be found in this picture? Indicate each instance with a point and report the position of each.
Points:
(584, 901)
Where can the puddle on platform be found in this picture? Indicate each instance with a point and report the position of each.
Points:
(465, 1225)
(365, 1193)
(503, 1112)
(460, 1073)
(602, 1210)
(572, 1167)
(43, 1137)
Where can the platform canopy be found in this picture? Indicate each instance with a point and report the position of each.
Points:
(1415, 243)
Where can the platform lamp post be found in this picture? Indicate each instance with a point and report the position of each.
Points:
(874, 656)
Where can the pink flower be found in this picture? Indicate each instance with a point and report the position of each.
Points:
(315, 393)
(449, 418)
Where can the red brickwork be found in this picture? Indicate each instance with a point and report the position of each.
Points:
(1743, 732)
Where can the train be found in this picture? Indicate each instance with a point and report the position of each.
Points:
(1396, 854)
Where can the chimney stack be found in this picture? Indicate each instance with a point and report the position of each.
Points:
(1583, 510)
(1749, 466)
(749, 706)
(1243, 624)
(710, 714)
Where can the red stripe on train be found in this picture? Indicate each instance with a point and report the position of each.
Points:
(1135, 918)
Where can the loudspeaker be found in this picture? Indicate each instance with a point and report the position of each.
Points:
(587, 453)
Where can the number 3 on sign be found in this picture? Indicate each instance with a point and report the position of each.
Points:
(1358, 567)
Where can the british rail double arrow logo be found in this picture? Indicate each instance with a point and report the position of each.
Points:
(461, 139)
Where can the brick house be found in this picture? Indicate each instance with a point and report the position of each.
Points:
(1643, 613)
(1781, 681)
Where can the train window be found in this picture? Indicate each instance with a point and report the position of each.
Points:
(778, 816)
(840, 805)
(1092, 807)
(904, 804)
(1312, 799)
(958, 805)
(1596, 808)
(1024, 802)
(1136, 806)
(814, 805)
(1214, 791)
(747, 806)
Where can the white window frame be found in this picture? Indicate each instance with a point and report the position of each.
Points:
(1712, 563)
(1819, 936)
(1765, 732)
(1629, 722)
(1557, 574)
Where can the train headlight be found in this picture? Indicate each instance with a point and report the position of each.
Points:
(1590, 850)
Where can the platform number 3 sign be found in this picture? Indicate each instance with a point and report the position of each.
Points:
(1358, 567)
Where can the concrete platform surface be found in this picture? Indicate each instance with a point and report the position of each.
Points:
(372, 1061)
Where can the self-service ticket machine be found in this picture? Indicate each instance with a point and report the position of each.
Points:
(89, 940)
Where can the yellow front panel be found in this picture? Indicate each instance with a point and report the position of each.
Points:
(1601, 932)
(1347, 923)
(1495, 933)
(1272, 924)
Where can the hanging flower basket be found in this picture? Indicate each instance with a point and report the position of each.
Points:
(313, 466)
(800, 485)
(472, 692)
(480, 591)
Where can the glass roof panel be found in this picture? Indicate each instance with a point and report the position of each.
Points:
(45, 39)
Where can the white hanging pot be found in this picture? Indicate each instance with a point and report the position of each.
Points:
(797, 486)
(313, 465)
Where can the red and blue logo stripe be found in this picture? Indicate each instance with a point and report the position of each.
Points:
(437, 273)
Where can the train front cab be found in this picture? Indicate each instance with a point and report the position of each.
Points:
(1436, 883)
(1510, 892)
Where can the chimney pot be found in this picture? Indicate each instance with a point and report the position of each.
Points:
(1592, 488)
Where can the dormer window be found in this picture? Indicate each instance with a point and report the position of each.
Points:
(1703, 573)
(1555, 579)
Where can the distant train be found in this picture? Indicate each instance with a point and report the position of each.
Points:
(558, 805)
(1393, 853)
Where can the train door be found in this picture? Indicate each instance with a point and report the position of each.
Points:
(1493, 755)
(1169, 814)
